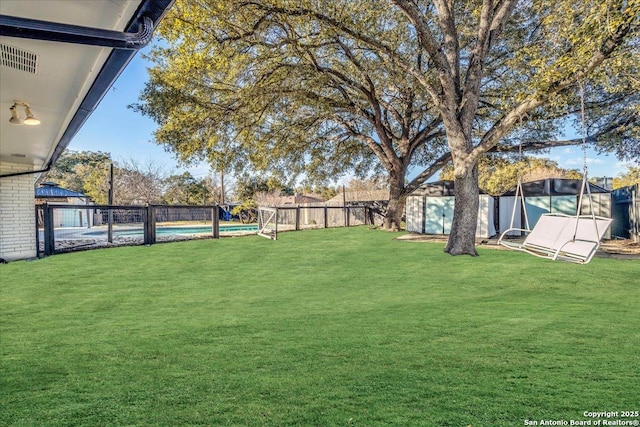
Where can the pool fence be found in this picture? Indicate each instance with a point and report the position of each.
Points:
(65, 228)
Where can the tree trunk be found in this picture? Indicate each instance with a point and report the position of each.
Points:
(465, 215)
(397, 198)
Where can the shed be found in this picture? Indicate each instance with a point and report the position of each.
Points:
(429, 210)
(50, 192)
(626, 212)
(552, 195)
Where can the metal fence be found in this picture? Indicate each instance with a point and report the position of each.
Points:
(64, 228)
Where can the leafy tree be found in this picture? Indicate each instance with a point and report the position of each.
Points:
(73, 169)
(323, 191)
(138, 183)
(213, 190)
(249, 189)
(96, 183)
(496, 65)
(134, 183)
(290, 95)
(184, 189)
(498, 174)
(371, 184)
(628, 178)
(247, 186)
(322, 88)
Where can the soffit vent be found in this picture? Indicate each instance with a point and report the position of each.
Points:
(18, 59)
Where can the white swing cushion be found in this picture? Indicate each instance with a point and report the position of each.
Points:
(553, 237)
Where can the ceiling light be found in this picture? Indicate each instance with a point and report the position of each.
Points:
(30, 120)
(15, 117)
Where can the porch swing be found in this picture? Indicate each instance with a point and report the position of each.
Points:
(571, 238)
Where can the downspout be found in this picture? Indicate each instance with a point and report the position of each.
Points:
(13, 26)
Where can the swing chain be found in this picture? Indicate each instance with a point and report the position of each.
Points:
(584, 128)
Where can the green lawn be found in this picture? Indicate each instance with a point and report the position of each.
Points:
(330, 327)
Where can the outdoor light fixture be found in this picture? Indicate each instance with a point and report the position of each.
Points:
(15, 119)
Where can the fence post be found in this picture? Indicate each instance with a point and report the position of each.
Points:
(635, 214)
(145, 226)
(326, 218)
(152, 223)
(49, 237)
(298, 218)
(149, 228)
(215, 221)
(37, 232)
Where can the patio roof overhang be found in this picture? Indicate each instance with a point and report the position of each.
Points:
(61, 57)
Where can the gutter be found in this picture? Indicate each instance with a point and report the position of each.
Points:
(26, 28)
(7, 175)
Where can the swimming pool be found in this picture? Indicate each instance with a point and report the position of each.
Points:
(177, 230)
(205, 229)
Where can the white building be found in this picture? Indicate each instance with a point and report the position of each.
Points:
(429, 210)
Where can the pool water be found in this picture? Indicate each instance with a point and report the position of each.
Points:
(204, 229)
(166, 231)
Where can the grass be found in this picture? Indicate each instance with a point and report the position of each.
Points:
(326, 327)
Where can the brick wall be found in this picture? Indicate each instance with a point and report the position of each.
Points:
(17, 216)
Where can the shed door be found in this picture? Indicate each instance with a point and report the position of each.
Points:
(601, 207)
(438, 214)
(415, 212)
(505, 212)
(485, 227)
(536, 206)
(564, 204)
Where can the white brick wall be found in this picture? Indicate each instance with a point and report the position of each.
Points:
(17, 214)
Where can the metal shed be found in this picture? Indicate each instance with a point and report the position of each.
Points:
(552, 195)
(429, 210)
(626, 212)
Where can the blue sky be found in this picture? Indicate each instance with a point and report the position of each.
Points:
(118, 130)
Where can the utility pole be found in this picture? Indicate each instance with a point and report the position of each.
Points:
(221, 187)
(344, 205)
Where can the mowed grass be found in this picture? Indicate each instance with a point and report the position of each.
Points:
(331, 327)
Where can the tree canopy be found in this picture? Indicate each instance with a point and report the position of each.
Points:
(324, 88)
(73, 168)
(135, 183)
(628, 178)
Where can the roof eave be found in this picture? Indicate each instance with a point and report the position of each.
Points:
(111, 70)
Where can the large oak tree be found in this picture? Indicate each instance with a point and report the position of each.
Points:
(323, 88)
